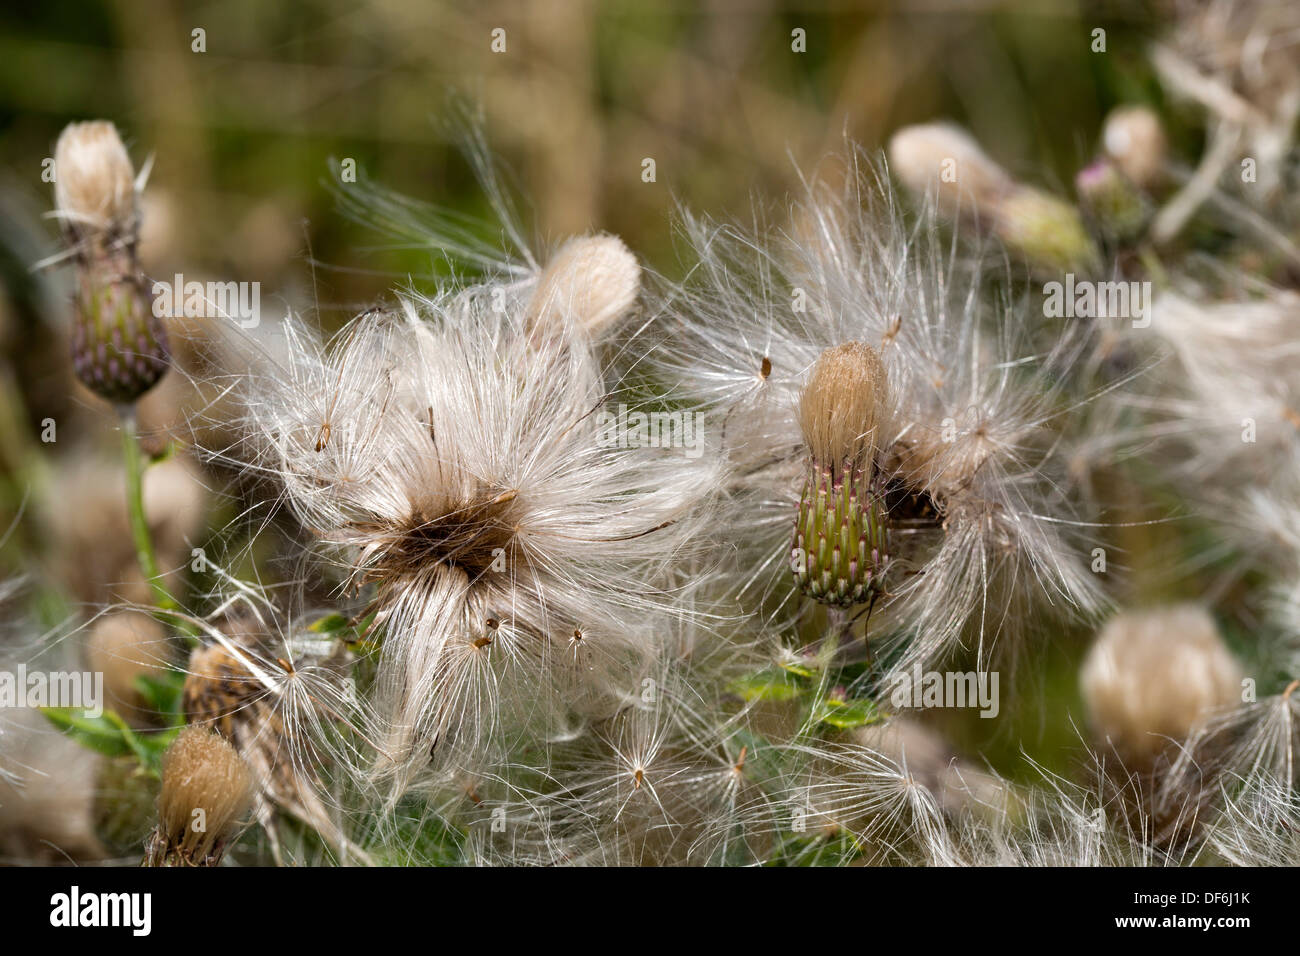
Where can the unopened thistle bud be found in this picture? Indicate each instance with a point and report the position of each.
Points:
(206, 791)
(1134, 139)
(945, 161)
(119, 346)
(94, 186)
(1047, 230)
(591, 281)
(840, 544)
(1113, 204)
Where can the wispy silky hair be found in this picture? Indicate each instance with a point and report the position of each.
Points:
(451, 454)
(285, 699)
(1257, 745)
(48, 782)
(1218, 418)
(1234, 367)
(969, 460)
(1260, 826)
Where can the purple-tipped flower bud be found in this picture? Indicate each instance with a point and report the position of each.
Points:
(119, 346)
(1112, 203)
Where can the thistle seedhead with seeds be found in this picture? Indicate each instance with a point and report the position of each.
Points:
(947, 439)
(206, 793)
(288, 707)
(449, 454)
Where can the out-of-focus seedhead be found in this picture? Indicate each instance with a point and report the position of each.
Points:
(119, 346)
(1153, 676)
(945, 162)
(1134, 140)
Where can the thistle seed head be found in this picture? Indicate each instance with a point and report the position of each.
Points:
(1134, 139)
(842, 405)
(1153, 676)
(124, 646)
(945, 159)
(840, 541)
(592, 281)
(206, 790)
(94, 188)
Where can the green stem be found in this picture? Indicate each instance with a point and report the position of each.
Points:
(144, 550)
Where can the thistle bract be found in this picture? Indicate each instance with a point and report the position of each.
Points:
(119, 347)
(841, 541)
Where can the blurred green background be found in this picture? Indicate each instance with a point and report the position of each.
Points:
(242, 133)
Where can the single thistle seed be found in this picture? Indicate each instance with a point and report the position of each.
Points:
(206, 791)
(841, 541)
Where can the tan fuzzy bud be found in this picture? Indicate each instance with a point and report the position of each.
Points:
(591, 281)
(206, 790)
(842, 405)
(1153, 676)
(125, 646)
(947, 160)
(1134, 139)
(94, 187)
(841, 543)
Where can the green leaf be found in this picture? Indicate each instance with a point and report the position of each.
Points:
(330, 623)
(163, 694)
(799, 670)
(846, 714)
(96, 733)
(767, 685)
